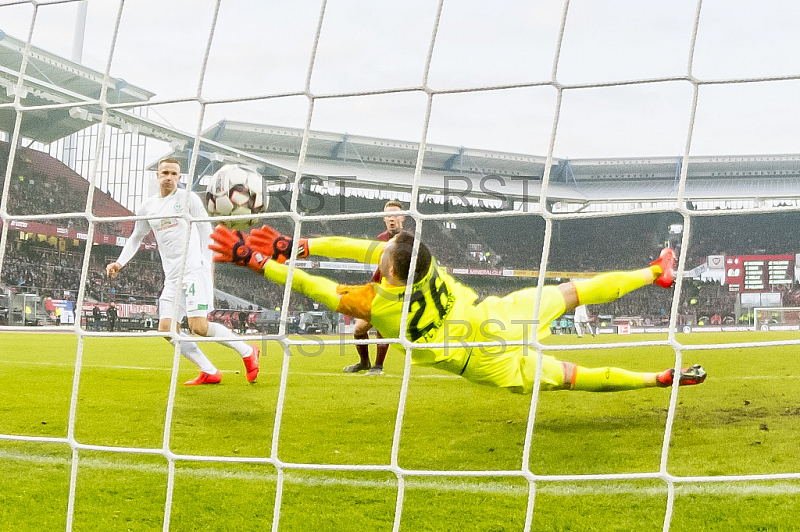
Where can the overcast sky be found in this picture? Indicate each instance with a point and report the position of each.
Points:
(264, 48)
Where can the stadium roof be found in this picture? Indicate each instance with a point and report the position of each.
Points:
(50, 79)
(52, 83)
(352, 149)
(340, 159)
(389, 164)
(708, 178)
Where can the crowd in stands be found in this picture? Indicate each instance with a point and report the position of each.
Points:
(38, 267)
(33, 191)
(140, 281)
(752, 234)
(266, 295)
(40, 184)
(52, 266)
(234, 280)
(34, 267)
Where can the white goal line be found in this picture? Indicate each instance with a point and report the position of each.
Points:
(329, 373)
(564, 488)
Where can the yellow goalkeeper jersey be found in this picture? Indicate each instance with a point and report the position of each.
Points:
(441, 311)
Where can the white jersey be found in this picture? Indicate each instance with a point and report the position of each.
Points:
(581, 315)
(171, 231)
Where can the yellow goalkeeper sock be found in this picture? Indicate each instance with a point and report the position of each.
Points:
(610, 380)
(608, 287)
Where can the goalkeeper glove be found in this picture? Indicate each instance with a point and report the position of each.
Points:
(232, 246)
(268, 241)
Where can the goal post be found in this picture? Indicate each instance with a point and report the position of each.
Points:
(776, 318)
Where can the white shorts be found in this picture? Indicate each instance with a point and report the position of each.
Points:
(196, 299)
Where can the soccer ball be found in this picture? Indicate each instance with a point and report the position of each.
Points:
(236, 189)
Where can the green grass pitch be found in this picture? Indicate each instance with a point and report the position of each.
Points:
(745, 420)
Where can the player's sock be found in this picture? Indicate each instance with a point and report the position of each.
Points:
(610, 286)
(609, 380)
(217, 329)
(382, 349)
(363, 349)
(193, 353)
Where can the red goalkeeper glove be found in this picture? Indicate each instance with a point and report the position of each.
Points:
(268, 241)
(232, 246)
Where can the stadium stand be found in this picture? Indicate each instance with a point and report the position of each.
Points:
(42, 184)
(44, 259)
(50, 266)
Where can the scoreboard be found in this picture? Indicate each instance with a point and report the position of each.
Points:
(759, 273)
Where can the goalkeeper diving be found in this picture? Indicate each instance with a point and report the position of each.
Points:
(445, 312)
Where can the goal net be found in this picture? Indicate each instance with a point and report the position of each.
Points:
(529, 144)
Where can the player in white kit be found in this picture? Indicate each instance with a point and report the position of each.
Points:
(582, 324)
(196, 298)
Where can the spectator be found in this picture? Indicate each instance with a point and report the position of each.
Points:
(394, 224)
(96, 318)
(243, 322)
(111, 316)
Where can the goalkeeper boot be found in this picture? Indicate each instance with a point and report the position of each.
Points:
(205, 378)
(689, 376)
(665, 261)
(355, 368)
(251, 363)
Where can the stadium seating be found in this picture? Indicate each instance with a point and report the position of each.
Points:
(41, 184)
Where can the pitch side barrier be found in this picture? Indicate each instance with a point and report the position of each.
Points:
(622, 329)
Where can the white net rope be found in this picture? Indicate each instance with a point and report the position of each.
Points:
(288, 343)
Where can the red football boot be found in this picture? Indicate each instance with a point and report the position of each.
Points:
(689, 376)
(251, 363)
(666, 261)
(205, 378)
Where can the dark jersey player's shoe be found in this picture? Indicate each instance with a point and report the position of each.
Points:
(665, 261)
(374, 371)
(689, 376)
(355, 368)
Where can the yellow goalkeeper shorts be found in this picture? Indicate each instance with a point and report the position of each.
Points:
(510, 318)
(516, 310)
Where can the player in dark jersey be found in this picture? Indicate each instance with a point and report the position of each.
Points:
(394, 223)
